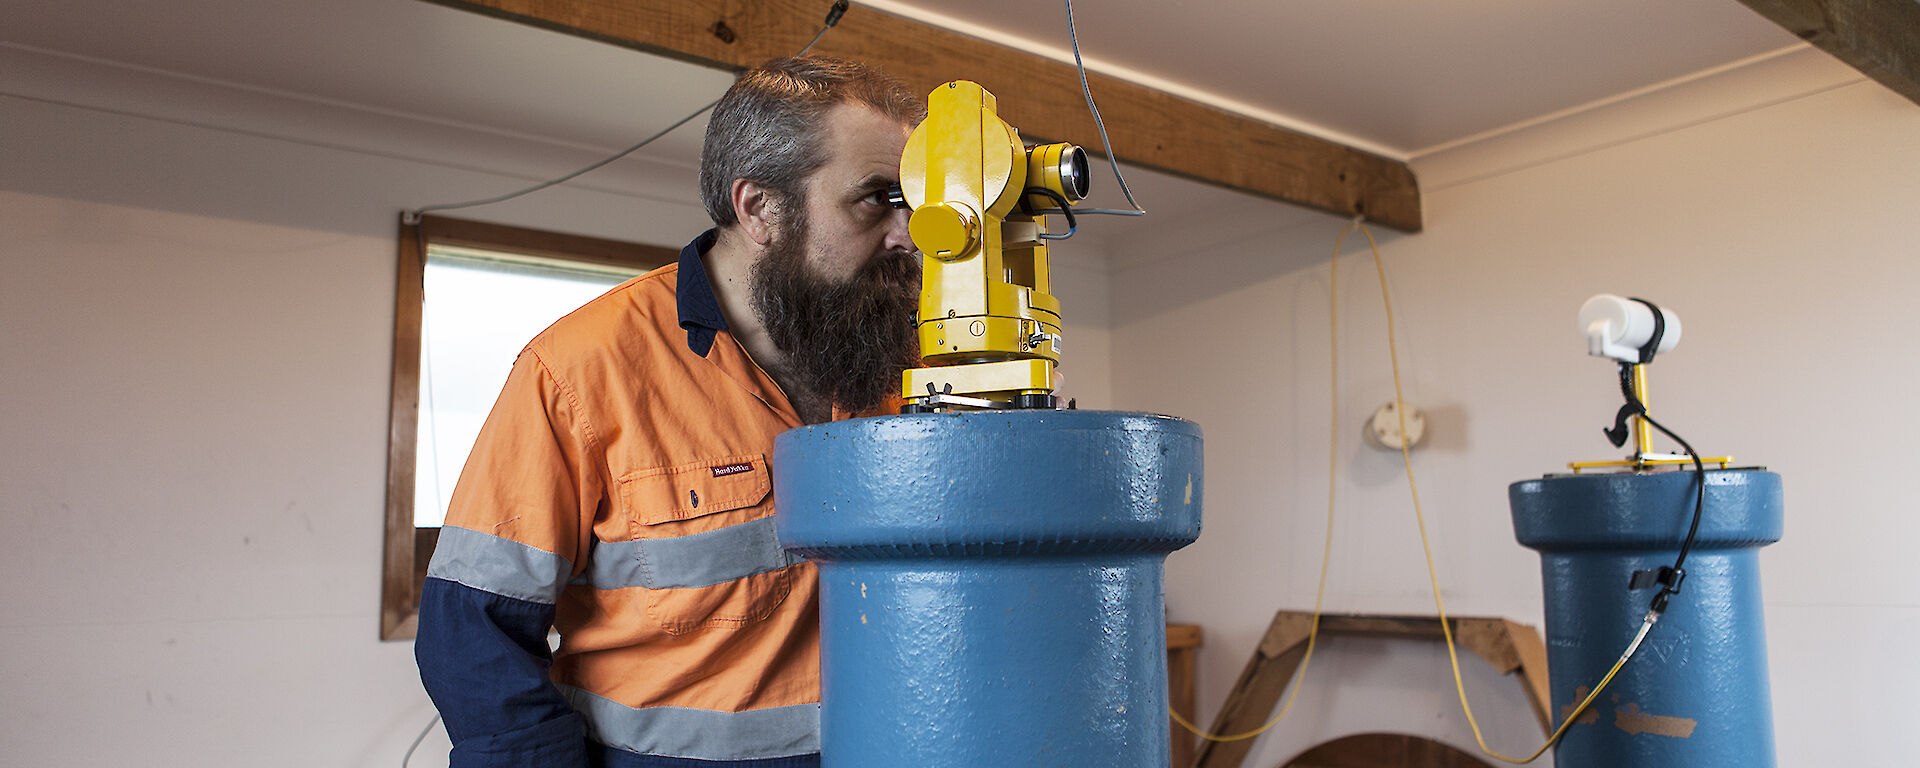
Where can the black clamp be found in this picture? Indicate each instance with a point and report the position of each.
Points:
(1648, 349)
(1667, 577)
(1618, 433)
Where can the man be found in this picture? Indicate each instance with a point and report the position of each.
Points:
(620, 491)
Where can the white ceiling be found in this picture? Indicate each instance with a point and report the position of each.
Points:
(396, 56)
(1399, 76)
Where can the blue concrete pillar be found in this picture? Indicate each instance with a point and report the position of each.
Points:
(1697, 693)
(991, 582)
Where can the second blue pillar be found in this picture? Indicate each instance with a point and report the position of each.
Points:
(1696, 695)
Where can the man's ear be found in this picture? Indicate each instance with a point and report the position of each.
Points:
(756, 208)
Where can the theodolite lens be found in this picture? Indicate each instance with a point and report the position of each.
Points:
(1059, 168)
(1073, 173)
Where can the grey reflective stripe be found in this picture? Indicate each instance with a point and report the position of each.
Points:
(694, 560)
(700, 734)
(501, 566)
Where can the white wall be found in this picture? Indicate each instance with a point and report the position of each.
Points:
(1086, 364)
(1772, 207)
(196, 292)
(198, 331)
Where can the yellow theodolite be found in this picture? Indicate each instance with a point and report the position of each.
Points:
(989, 325)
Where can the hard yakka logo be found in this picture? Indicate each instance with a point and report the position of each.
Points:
(732, 469)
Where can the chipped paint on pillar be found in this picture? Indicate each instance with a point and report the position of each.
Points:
(991, 582)
(1697, 692)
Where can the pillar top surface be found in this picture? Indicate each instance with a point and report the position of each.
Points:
(989, 483)
(1646, 510)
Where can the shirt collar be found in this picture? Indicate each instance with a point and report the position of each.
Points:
(699, 307)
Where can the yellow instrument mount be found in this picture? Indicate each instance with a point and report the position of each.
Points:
(1643, 458)
(989, 326)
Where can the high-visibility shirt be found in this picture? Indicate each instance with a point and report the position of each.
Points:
(620, 491)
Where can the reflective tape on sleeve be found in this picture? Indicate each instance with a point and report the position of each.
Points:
(502, 566)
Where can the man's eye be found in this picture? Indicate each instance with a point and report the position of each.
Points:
(888, 197)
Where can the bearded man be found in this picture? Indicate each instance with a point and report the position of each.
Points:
(620, 493)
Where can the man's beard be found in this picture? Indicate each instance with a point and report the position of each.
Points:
(846, 342)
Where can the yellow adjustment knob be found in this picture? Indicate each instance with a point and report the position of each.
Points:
(944, 230)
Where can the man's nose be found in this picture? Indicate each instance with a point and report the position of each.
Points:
(898, 238)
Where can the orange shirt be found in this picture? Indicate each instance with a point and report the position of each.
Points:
(623, 476)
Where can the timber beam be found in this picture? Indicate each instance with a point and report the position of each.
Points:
(1040, 96)
(1881, 38)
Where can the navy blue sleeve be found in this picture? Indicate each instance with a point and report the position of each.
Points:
(484, 661)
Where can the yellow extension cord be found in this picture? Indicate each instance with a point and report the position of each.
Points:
(1433, 577)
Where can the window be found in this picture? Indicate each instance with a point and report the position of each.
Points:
(481, 307)
(469, 296)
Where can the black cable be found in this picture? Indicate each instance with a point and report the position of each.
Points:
(1667, 577)
(1670, 578)
(1065, 209)
(833, 18)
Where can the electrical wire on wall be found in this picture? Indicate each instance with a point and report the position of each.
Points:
(413, 216)
(1426, 546)
(1653, 614)
(1333, 484)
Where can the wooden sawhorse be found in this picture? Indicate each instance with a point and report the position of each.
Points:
(1509, 646)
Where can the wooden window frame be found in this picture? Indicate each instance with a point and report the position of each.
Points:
(408, 548)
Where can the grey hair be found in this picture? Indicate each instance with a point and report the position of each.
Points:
(767, 128)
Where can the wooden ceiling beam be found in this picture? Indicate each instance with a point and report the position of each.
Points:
(1881, 38)
(1038, 95)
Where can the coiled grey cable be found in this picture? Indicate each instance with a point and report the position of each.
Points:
(1074, 38)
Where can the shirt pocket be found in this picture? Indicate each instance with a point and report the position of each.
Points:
(704, 549)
